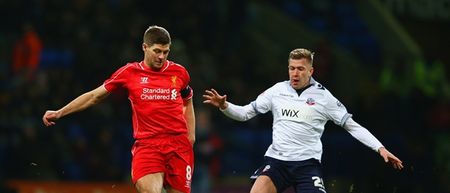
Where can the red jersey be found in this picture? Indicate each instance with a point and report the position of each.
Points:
(156, 102)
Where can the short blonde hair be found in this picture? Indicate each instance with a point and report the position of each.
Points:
(301, 53)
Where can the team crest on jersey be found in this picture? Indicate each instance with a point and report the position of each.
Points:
(310, 101)
(174, 81)
(144, 80)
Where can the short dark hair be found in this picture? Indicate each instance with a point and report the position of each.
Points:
(156, 35)
(301, 53)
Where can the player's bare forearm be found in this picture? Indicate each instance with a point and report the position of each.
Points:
(190, 120)
(78, 104)
(84, 101)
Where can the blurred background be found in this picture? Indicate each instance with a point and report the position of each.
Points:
(386, 60)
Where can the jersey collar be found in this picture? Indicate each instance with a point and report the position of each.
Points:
(145, 66)
(299, 91)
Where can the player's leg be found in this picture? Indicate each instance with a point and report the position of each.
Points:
(272, 177)
(150, 183)
(263, 184)
(308, 177)
(147, 167)
(313, 184)
(180, 166)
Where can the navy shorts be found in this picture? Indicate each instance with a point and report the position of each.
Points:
(305, 176)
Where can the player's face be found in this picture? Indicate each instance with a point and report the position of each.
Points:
(156, 55)
(300, 72)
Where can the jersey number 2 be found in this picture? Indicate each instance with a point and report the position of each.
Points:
(318, 182)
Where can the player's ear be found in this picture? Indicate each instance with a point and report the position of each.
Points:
(144, 45)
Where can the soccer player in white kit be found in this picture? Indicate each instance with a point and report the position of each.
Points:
(300, 107)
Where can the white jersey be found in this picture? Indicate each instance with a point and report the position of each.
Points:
(299, 120)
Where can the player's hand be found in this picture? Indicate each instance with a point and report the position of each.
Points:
(50, 117)
(215, 99)
(390, 158)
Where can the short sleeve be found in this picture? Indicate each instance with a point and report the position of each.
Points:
(117, 80)
(186, 90)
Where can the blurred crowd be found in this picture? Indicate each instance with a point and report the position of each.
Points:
(56, 50)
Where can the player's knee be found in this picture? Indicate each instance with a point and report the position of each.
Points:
(148, 189)
(150, 183)
(263, 184)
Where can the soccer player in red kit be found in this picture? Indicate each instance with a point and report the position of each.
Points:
(163, 115)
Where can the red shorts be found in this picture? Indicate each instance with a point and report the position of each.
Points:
(173, 156)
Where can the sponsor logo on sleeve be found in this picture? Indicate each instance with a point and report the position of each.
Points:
(339, 104)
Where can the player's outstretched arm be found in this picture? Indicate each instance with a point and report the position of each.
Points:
(78, 104)
(212, 97)
(390, 158)
(364, 136)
